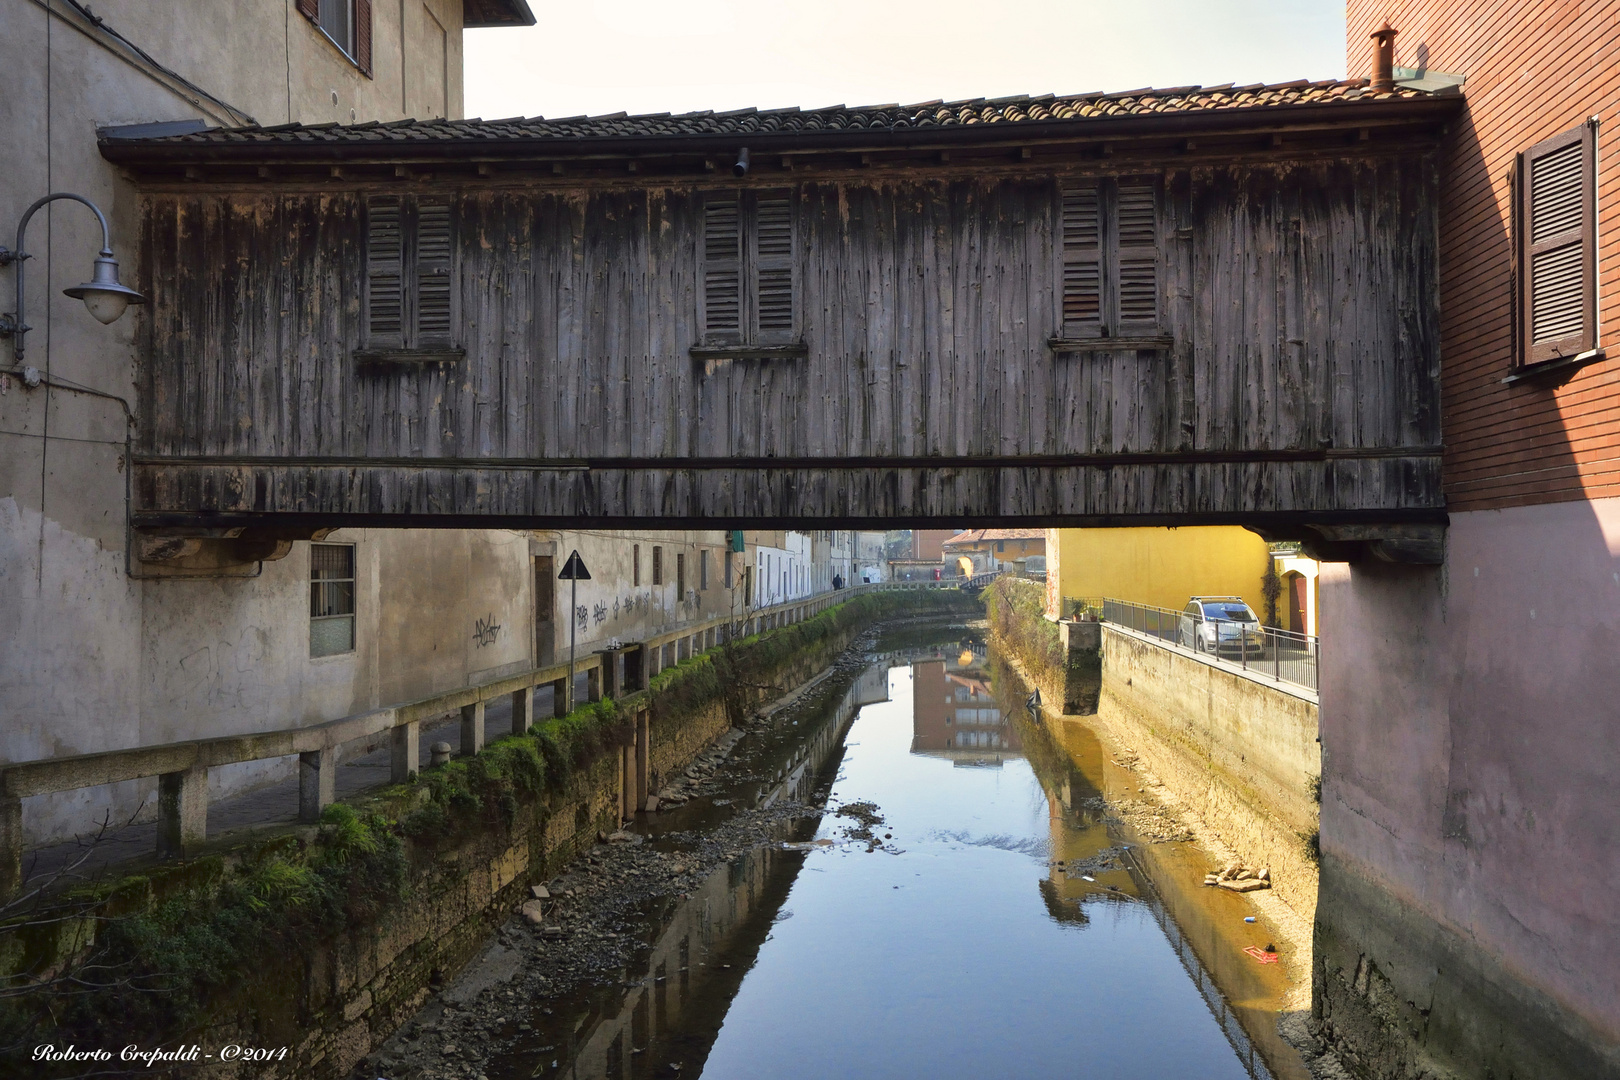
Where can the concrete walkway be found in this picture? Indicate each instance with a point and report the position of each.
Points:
(127, 846)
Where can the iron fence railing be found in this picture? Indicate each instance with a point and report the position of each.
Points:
(1267, 651)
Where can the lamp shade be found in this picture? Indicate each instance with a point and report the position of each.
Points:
(104, 294)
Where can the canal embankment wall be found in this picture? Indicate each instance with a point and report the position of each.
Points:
(1242, 754)
(1239, 752)
(317, 942)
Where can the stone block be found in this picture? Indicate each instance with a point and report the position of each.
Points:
(182, 812)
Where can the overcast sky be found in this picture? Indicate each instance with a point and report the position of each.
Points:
(600, 56)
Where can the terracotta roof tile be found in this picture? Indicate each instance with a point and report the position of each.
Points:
(932, 114)
(976, 536)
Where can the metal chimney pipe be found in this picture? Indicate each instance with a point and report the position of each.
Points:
(1383, 77)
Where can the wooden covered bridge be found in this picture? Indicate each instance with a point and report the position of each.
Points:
(1164, 307)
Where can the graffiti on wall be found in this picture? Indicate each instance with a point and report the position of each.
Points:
(485, 631)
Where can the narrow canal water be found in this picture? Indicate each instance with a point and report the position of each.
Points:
(966, 907)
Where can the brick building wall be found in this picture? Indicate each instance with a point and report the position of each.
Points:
(1466, 924)
(1534, 68)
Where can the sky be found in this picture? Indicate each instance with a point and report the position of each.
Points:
(604, 56)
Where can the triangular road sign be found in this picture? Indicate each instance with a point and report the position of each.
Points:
(574, 569)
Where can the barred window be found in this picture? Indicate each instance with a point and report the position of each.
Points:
(331, 599)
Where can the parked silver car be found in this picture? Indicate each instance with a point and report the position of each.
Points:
(1217, 624)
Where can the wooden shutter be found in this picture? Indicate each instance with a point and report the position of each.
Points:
(722, 270)
(1558, 299)
(385, 325)
(310, 9)
(434, 291)
(1138, 254)
(1082, 262)
(362, 35)
(773, 267)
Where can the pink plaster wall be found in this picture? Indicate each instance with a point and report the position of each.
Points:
(1470, 723)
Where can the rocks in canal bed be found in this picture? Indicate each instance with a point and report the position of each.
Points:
(533, 911)
(1240, 878)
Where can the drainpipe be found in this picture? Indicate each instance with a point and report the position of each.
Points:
(1383, 77)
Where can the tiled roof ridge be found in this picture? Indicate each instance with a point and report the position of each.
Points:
(1017, 109)
(975, 536)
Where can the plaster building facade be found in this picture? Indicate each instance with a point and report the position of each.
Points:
(870, 562)
(1468, 924)
(1161, 567)
(980, 551)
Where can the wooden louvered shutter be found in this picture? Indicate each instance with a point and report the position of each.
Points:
(1082, 262)
(434, 279)
(1137, 244)
(385, 260)
(1558, 298)
(773, 267)
(362, 35)
(310, 9)
(722, 270)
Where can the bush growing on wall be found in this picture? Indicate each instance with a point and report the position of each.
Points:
(1016, 611)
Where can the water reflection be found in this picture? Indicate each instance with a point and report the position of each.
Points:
(955, 714)
(1008, 928)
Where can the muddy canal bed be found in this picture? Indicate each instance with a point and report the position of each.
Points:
(902, 874)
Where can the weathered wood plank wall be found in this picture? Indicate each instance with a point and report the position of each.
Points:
(1301, 382)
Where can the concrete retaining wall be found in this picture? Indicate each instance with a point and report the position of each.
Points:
(1243, 755)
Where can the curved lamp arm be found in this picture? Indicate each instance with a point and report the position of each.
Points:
(105, 280)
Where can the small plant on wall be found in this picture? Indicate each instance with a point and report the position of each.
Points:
(1271, 587)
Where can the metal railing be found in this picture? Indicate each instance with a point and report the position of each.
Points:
(182, 767)
(1270, 652)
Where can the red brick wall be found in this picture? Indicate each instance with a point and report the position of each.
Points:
(1535, 68)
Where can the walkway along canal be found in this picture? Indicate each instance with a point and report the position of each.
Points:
(905, 873)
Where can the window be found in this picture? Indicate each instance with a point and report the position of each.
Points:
(658, 566)
(680, 575)
(747, 256)
(703, 570)
(1110, 259)
(346, 23)
(635, 564)
(331, 599)
(410, 275)
(1554, 242)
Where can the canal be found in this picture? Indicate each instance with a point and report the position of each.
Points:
(960, 899)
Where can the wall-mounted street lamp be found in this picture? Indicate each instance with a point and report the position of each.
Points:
(103, 294)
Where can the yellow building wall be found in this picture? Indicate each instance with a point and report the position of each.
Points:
(1162, 567)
